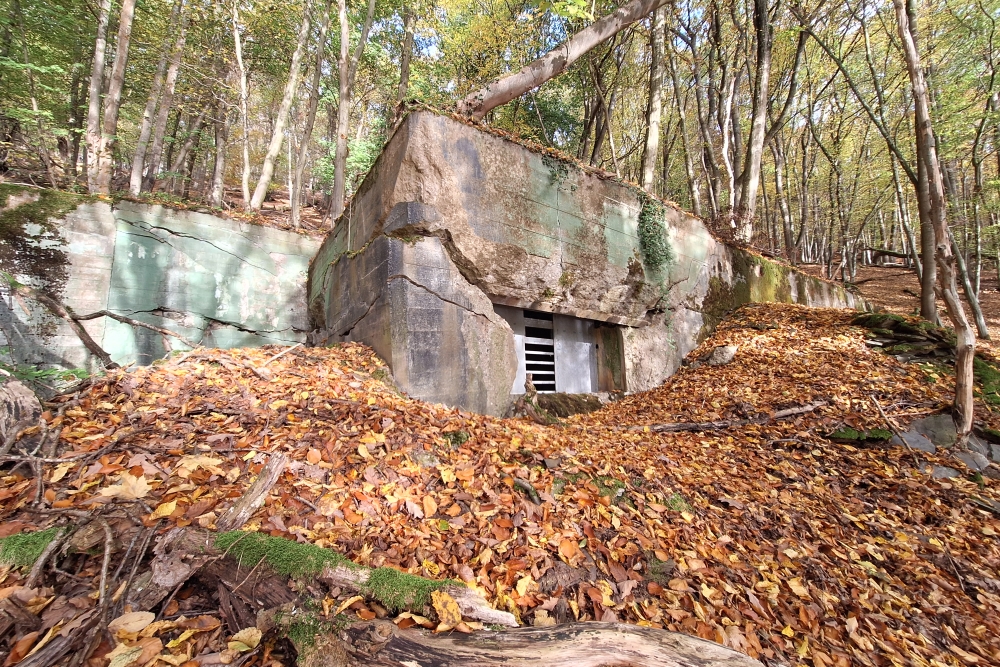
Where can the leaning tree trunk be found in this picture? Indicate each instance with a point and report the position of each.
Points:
(216, 196)
(966, 342)
(244, 114)
(278, 135)
(556, 61)
(655, 111)
(96, 86)
(113, 102)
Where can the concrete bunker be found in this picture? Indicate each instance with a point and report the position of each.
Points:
(462, 249)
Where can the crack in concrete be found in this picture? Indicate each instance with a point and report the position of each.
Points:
(435, 294)
(172, 232)
(161, 311)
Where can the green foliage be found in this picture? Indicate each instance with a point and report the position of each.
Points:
(657, 252)
(854, 435)
(23, 550)
(33, 374)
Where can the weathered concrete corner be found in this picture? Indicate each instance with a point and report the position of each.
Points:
(455, 232)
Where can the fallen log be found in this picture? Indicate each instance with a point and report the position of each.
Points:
(19, 410)
(729, 423)
(381, 644)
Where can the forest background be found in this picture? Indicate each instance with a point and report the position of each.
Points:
(787, 126)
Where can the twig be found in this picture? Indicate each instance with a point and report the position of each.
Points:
(954, 568)
(108, 542)
(281, 354)
(892, 427)
(262, 559)
(529, 489)
(307, 503)
(136, 323)
(733, 423)
(64, 313)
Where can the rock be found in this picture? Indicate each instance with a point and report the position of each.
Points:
(974, 460)
(939, 429)
(564, 405)
(722, 355)
(552, 464)
(915, 441)
(976, 445)
(944, 472)
(19, 408)
(996, 453)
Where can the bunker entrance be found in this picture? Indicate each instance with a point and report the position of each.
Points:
(564, 354)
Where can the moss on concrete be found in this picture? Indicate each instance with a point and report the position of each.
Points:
(31, 252)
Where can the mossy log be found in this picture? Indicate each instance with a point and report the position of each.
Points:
(381, 644)
(19, 410)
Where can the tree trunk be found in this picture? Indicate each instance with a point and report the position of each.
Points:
(217, 194)
(693, 181)
(409, 18)
(278, 135)
(112, 103)
(166, 102)
(556, 61)
(746, 207)
(93, 136)
(970, 293)
(655, 111)
(778, 151)
(146, 125)
(927, 156)
(348, 68)
(295, 193)
(244, 114)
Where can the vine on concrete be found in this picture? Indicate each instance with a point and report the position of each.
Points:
(657, 252)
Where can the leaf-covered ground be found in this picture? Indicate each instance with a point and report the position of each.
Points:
(769, 537)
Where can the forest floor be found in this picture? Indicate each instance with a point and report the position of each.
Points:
(759, 533)
(897, 290)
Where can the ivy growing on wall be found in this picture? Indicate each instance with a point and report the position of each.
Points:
(656, 250)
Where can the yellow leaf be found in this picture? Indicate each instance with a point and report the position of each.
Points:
(449, 615)
(61, 471)
(123, 655)
(164, 510)
(447, 474)
(184, 636)
(788, 632)
(803, 649)
(431, 567)
(797, 587)
(363, 451)
(245, 640)
(525, 585)
(347, 603)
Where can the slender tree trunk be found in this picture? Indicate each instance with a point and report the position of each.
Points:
(746, 208)
(348, 68)
(244, 113)
(217, 194)
(966, 342)
(300, 163)
(655, 111)
(556, 61)
(93, 136)
(278, 135)
(112, 102)
(166, 102)
(778, 151)
(693, 181)
(177, 169)
(146, 125)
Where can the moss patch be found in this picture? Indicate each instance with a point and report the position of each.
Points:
(853, 435)
(399, 591)
(988, 378)
(290, 559)
(24, 549)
